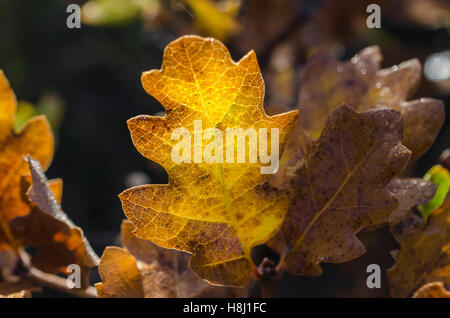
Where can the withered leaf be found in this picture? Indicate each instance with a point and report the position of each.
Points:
(424, 254)
(215, 211)
(143, 269)
(326, 83)
(57, 240)
(340, 188)
(410, 192)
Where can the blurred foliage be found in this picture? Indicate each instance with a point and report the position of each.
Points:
(49, 105)
(116, 12)
(216, 19)
(439, 175)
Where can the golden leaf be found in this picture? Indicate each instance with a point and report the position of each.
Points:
(37, 223)
(34, 139)
(215, 211)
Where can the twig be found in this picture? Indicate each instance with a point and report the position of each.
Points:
(268, 278)
(59, 283)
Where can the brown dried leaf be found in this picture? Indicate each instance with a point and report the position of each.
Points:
(340, 188)
(57, 240)
(410, 192)
(143, 269)
(424, 254)
(326, 83)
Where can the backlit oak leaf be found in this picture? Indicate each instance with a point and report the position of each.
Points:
(326, 83)
(424, 254)
(34, 139)
(143, 269)
(215, 211)
(33, 224)
(339, 188)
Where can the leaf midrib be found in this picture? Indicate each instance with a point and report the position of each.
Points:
(337, 192)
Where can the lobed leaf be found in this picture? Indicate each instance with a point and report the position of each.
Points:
(57, 240)
(215, 211)
(37, 220)
(327, 83)
(424, 254)
(339, 188)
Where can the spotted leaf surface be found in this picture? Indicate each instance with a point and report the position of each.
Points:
(339, 188)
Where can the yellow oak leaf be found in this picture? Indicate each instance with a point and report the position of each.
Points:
(31, 216)
(35, 139)
(143, 269)
(215, 211)
(339, 188)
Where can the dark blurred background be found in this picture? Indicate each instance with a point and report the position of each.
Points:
(87, 81)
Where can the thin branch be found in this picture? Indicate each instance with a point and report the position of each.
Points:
(59, 283)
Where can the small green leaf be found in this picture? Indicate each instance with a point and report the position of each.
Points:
(441, 176)
(24, 112)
